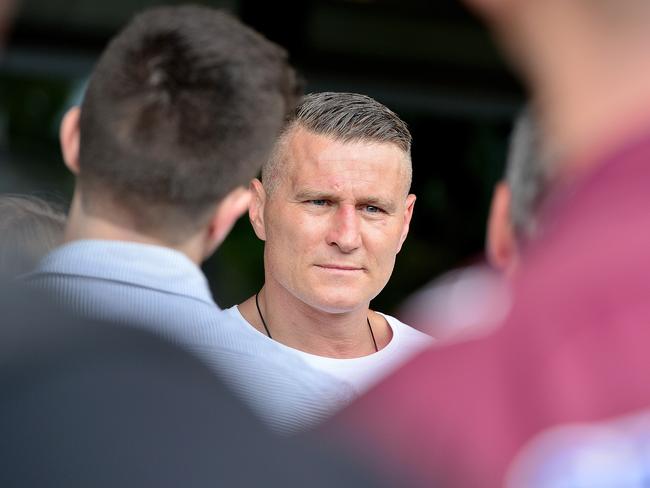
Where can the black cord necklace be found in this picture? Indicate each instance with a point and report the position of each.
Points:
(374, 342)
(259, 311)
(257, 304)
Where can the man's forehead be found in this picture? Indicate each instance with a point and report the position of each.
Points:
(309, 154)
(304, 143)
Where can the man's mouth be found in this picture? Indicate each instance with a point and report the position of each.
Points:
(340, 267)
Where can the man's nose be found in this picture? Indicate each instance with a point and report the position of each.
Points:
(345, 229)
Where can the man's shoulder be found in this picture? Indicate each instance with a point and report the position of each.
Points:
(94, 254)
(78, 259)
(121, 265)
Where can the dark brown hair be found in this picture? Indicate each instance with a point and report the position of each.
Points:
(183, 106)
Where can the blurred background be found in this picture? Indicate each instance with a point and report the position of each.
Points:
(429, 61)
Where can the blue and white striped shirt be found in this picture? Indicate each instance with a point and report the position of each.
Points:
(161, 290)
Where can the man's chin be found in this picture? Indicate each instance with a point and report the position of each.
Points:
(339, 305)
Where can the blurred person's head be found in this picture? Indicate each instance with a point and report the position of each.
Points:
(475, 298)
(516, 201)
(29, 228)
(180, 112)
(585, 63)
(334, 206)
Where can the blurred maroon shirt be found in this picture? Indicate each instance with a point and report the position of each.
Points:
(576, 347)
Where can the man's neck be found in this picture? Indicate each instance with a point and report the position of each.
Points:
(300, 326)
(82, 225)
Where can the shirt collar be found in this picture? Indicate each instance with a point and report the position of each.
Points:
(144, 265)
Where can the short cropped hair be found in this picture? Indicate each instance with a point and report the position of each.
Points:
(183, 106)
(347, 117)
(528, 174)
(29, 228)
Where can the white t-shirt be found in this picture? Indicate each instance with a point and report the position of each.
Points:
(363, 372)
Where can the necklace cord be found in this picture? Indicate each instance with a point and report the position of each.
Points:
(257, 304)
(374, 342)
(259, 311)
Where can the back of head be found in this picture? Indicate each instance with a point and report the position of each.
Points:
(528, 174)
(29, 229)
(347, 117)
(183, 106)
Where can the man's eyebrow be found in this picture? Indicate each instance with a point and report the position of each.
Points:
(313, 194)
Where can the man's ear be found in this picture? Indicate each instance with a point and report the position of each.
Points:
(502, 252)
(69, 138)
(256, 209)
(226, 214)
(408, 214)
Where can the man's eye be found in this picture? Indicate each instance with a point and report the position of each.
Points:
(319, 203)
(373, 209)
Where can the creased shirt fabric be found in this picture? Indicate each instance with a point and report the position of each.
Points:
(161, 290)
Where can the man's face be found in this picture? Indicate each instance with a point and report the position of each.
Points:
(335, 221)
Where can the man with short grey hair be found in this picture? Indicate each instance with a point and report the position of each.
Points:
(334, 208)
(467, 301)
